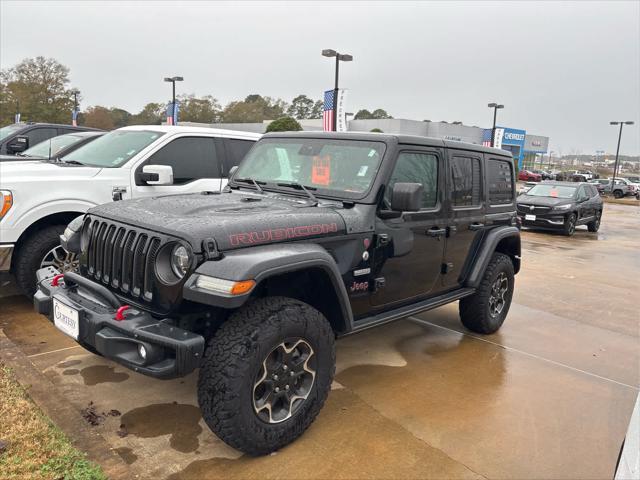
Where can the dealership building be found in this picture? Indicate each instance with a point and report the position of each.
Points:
(525, 147)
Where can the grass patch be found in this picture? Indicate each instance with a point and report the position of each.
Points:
(35, 448)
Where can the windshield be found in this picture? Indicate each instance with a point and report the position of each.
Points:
(342, 168)
(554, 191)
(50, 148)
(113, 149)
(9, 130)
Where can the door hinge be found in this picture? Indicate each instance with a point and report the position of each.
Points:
(446, 268)
(210, 248)
(379, 283)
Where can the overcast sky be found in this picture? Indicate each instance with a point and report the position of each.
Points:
(562, 69)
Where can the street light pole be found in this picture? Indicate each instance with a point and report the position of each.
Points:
(495, 107)
(615, 166)
(173, 81)
(339, 57)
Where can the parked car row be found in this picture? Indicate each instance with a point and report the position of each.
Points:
(18, 137)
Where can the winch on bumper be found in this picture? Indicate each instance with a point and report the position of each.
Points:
(138, 341)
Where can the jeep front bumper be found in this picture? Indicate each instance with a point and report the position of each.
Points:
(169, 351)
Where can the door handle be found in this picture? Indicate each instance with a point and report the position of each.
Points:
(476, 226)
(436, 232)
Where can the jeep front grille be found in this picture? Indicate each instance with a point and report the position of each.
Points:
(121, 257)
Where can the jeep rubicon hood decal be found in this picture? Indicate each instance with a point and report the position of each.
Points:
(234, 220)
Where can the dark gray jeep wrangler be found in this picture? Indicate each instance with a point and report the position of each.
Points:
(316, 236)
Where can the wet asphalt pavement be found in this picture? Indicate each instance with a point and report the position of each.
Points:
(548, 396)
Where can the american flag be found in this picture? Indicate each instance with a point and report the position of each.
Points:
(486, 137)
(74, 117)
(170, 114)
(329, 110)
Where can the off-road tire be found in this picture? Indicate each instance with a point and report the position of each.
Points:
(475, 310)
(569, 227)
(594, 225)
(30, 255)
(618, 194)
(233, 358)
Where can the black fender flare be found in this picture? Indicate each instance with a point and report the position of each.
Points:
(489, 245)
(260, 263)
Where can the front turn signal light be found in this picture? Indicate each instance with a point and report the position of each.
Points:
(7, 202)
(220, 285)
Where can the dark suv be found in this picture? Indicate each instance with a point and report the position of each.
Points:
(18, 137)
(561, 206)
(316, 236)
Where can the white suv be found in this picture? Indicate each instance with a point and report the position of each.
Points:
(39, 198)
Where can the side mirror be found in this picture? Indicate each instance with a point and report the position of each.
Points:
(18, 144)
(157, 175)
(232, 171)
(406, 197)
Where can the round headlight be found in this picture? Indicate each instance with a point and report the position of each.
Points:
(180, 260)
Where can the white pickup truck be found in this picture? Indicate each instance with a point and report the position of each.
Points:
(39, 198)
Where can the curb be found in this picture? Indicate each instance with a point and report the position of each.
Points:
(66, 417)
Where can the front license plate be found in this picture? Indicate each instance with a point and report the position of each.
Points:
(66, 319)
(530, 217)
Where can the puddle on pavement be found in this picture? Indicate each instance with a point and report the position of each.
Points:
(181, 421)
(126, 454)
(102, 374)
(69, 363)
(349, 440)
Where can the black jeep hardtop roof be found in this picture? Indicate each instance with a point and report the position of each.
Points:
(390, 138)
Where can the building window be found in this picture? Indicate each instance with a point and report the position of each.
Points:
(466, 182)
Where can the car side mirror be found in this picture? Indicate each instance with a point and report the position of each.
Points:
(157, 175)
(18, 144)
(233, 170)
(406, 197)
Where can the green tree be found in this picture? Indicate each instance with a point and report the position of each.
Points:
(301, 107)
(367, 115)
(317, 109)
(284, 124)
(41, 86)
(120, 117)
(99, 117)
(201, 110)
(151, 114)
(363, 115)
(254, 109)
(380, 114)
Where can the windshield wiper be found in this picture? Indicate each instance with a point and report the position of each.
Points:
(299, 186)
(257, 183)
(72, 162)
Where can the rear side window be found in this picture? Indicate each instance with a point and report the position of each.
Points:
(191, 158)
(420, 168)
(38, 135)
(500, 178)
(466, 181)
(235, 151)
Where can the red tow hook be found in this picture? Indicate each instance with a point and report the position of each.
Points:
(56, 279)
(120, 312)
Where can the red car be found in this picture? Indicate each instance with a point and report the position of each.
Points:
(527, 176)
